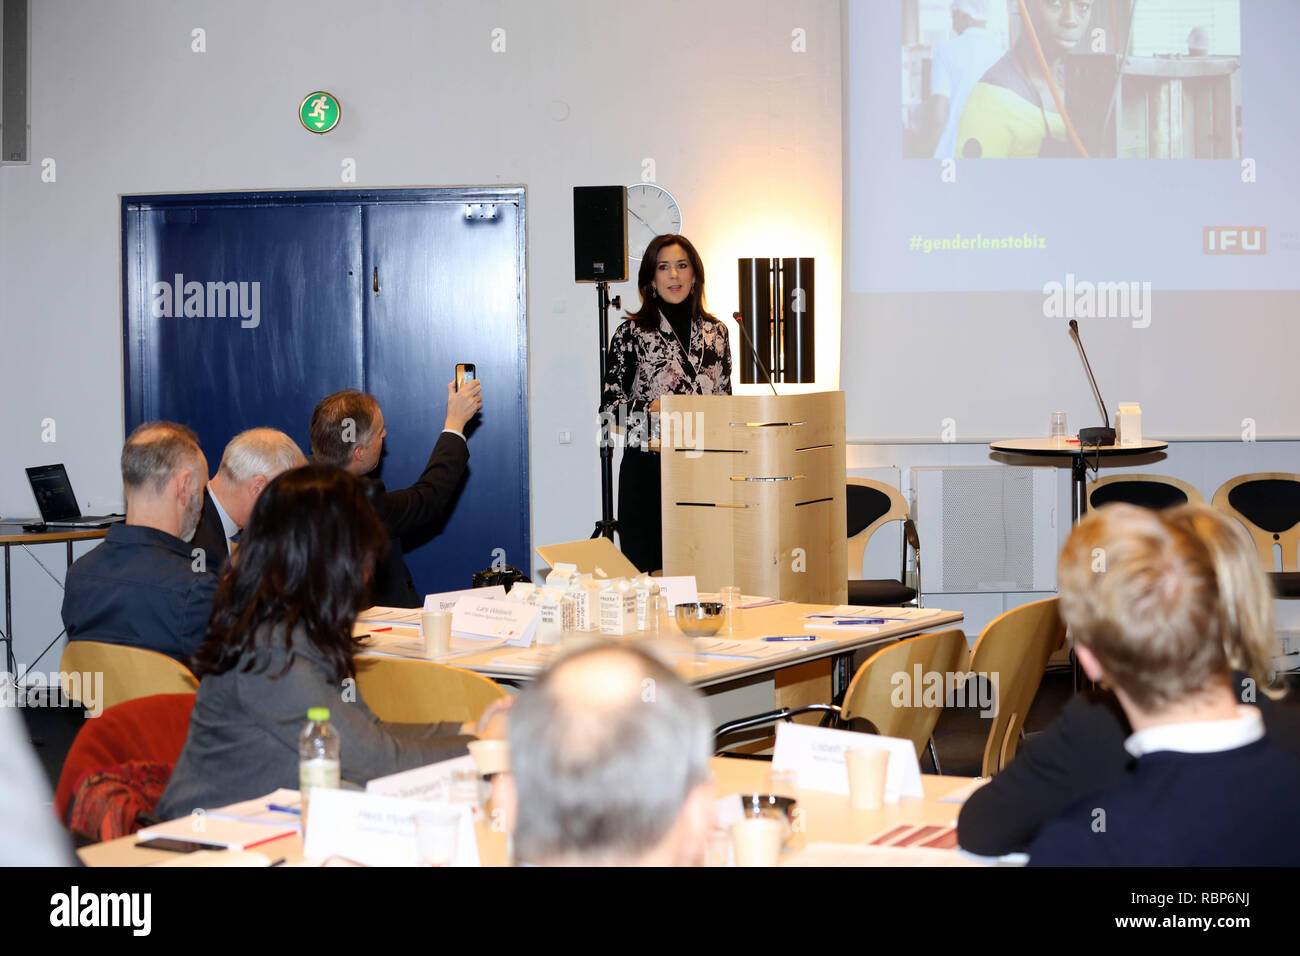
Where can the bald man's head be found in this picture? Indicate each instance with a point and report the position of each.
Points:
(607, 748)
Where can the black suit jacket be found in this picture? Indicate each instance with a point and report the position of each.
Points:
(1080, 752)
(210, 535)
(415, 510)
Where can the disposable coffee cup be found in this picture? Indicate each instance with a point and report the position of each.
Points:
(757, 841)
(437, 632)
(866, 770)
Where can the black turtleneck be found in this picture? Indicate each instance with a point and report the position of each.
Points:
(679, 317)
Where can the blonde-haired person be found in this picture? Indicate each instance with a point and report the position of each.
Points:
(1140, 595)
(1083, 749)
(1246, 599)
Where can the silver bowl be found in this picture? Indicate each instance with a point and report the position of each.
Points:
(701, 619)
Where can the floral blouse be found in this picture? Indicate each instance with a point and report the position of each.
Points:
(644, 366)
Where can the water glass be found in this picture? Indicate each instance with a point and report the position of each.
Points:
(1058, 428)
(437, 829)
(731, 599)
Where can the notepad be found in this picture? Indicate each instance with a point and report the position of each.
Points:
(391, 615)
(933, 835)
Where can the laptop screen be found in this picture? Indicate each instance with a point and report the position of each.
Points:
(53, 493)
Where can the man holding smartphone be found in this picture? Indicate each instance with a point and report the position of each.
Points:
(347, 431)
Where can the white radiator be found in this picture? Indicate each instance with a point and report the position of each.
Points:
(986, 528)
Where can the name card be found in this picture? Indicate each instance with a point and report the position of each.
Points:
(678, 590)
(375, 830)
(446, 601)
(816, 755)
(498, 620)
(431, 783)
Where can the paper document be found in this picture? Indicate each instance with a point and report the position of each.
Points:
(746, 600)
(751, 649)
(536, 659)
(678, 590)
(495, 620)
(934, 835)
(219, 832)
(962, 793)
(402, 644)
(390, 615)
(446, 601)
(879, 613)
(840, 624)
(258, 810)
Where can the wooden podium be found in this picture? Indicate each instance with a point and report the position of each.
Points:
(753, 493)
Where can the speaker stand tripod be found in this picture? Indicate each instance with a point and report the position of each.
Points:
(606, 526)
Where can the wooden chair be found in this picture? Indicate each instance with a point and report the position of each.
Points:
(405, 691)
(129, 672)
(1268, 504)
(1149, 491)
(869, 505)
(872, 692)
(1014, 648)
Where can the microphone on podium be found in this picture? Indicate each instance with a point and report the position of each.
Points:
(1098, 435)
(740, 321)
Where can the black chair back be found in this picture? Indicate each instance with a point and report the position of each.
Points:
(864, 505)
(1271, 503)
(1147, 494)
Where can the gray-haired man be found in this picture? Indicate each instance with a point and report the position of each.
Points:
(251, 461)
(610, 765)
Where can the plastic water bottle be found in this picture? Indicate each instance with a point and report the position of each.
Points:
(318, 757)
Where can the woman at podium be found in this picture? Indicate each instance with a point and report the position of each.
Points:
(670, 346)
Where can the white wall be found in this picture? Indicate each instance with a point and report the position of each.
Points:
(742, 129)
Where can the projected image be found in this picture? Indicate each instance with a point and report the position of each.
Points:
(1127, 79)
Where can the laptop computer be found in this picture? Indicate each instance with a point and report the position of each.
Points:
(58, 504)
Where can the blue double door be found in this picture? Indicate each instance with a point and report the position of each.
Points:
(243, 310)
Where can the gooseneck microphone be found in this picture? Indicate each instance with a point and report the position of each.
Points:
(1096, 435)
(740, 321)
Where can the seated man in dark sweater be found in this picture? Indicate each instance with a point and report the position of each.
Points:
(142, 585)
(1082, 750)
(347, 431)
(1141, 600)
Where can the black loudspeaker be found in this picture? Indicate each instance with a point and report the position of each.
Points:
(600, 233)
(797, 314)
(14, 74)
(756, 312)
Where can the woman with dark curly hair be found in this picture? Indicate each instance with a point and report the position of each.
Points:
(280, 641)
(670, 346)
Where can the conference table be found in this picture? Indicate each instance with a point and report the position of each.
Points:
(828, 831)
(1079, 455)
(788, 674)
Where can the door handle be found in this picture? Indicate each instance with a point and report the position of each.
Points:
(376, 280)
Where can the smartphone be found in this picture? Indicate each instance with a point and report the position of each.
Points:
(176, 846)
(464, 373)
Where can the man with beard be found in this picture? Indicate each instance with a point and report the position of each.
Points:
(142, 585)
